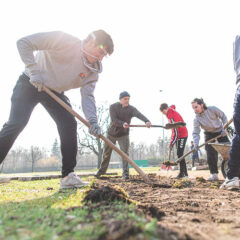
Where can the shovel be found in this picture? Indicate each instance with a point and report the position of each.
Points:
(167, 126)
(211, 140)
(107, 141)
(169, 163)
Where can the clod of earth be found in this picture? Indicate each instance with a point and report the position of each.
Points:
(105, 193)
(182, 184)
(201, 179)
(152, 211)
(155, 184)
(168, 163)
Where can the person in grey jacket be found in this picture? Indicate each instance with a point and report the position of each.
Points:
(62, 62)
(211, 119)
(121, 114)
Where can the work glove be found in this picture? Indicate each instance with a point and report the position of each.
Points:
(126, 125)
(94, 129)
(230, 130)
(36, 81)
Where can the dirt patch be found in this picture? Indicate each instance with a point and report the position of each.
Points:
(120, 230)
(152, 211)
(103, 196)
(194, 208)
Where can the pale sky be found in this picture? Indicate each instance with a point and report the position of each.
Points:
(181, 47)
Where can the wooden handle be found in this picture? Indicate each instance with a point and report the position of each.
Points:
(169, 155)
(185, 155)
(228, 123)
(107, 141)
(221, 135)
(146, 126)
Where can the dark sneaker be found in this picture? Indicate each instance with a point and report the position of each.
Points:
(180, 175)
(99, 174)
(125, 177)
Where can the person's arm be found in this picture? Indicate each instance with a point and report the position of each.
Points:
(41, 41)
(196, 132)
(113, 114)
(174, 136)
(220, 115)
(89, 108)
(236, 55)
(139, 115)
(88, 102)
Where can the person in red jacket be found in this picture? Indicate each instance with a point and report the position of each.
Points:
(179, 135)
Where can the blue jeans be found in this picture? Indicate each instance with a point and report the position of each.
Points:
(24, 98)
(234, 160)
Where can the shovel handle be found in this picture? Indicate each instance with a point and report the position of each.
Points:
(221, 135)
(145, 126)
(228, 123)
(185, 155)
(107, 141)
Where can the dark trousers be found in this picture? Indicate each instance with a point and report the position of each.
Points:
(234, 160)
(212, 154)
(124, 146)
(24, 98)
(181, 143)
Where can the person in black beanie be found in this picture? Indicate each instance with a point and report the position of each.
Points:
(121, 114)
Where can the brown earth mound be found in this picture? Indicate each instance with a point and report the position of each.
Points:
(105, 193)
(194, 208)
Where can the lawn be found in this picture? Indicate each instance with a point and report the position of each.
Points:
(37, 210)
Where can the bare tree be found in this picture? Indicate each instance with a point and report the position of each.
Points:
(56, 151)
(88, 142)
(132, 150)
(36, 153)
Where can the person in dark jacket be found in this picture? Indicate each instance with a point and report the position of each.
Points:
(121, 114)
(179, 136)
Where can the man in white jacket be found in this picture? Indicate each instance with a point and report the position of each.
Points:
(62, 62)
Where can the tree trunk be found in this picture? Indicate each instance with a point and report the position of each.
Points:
(100, 153)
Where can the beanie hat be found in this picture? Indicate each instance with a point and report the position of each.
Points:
(124, 94)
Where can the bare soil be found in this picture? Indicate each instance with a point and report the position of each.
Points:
(185, 209)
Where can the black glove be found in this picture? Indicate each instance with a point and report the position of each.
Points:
(230, 130)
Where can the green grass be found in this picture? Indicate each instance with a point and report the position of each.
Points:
(37, 210)
(111, 170)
